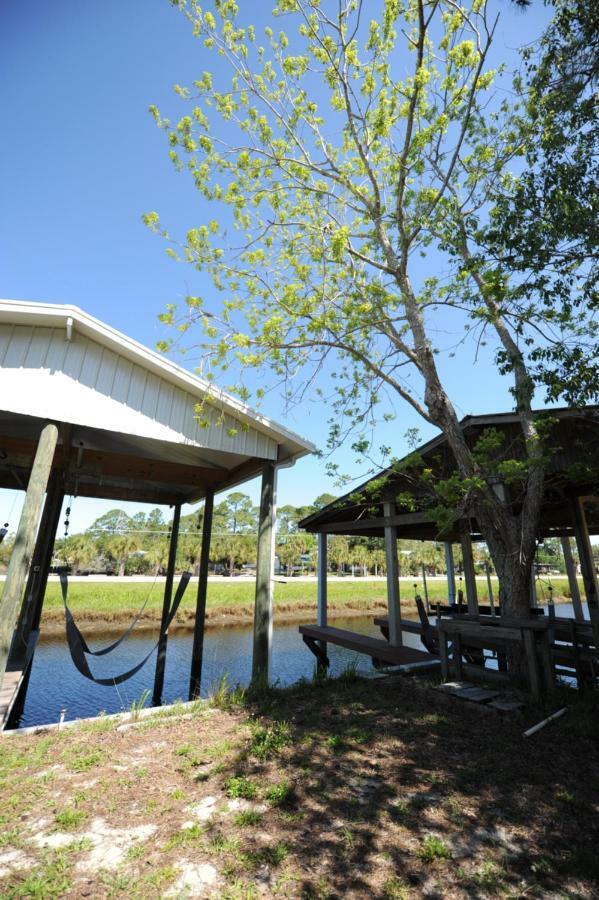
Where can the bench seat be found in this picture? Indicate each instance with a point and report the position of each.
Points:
(374, 647)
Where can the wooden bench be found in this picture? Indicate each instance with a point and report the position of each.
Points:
(380, 651)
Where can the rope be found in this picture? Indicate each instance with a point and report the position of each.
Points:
(78, 646)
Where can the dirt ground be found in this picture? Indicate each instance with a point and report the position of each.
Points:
(352, 788)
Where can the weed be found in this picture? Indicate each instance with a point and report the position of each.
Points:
(266, 856)
(50, 878)
(347, 836)
(433, 848)
(117, 883)
(239, 890)
(223, 696)
(489, 876)
(221, 844)
(178, 794)
(248, 817)
(85, 760)
(138, 851)
(185, 836)
(335, 743)
(268, 741)
(281, 794)
(11, 837)
(238, 786)
(395, 889)
(399, 810)
(70, 818)
(138, 705)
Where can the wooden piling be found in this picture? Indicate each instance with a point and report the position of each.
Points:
(393, 593)
(264, 577)
(572, 579)
(166, 605)
(197, 653)
(587, 563)
(20, 558)
(469, 574)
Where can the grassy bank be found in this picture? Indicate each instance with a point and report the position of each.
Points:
(99, 604)
(353, 789)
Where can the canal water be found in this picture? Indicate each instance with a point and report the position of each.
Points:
(56, 685)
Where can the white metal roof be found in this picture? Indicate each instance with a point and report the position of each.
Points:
(57, 362)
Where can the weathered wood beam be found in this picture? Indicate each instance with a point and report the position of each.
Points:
(20, 558)
(450, 569)
(469, 574)
(572, 579)
(587, 563)
(321, 585)
(33, 598)
(166, 606)
(197, 652)
(393, 595)
(263, 609)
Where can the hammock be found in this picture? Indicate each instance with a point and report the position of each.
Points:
(78, 646)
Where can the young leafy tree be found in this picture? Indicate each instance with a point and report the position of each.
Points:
(545, 221)
(344, 142)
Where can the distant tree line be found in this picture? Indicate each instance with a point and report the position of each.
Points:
(138, 545)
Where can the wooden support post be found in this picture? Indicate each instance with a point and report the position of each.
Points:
(31, 609)
(490, 588)
(197, 653)
(444, 654)
(457, 656)
(469, 576)
(393, 593)
(533, 589)
(425, 586)
(264, 577)
(572, 579)
(20, 558)
(321, 617)
(532, 663)
(166, 605)
(587, 564)
(450, 568)
(321, 587)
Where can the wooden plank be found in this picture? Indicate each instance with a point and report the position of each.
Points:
(361, 643)
(197, 653)
(532, 664)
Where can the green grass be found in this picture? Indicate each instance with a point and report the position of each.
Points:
(118, 597)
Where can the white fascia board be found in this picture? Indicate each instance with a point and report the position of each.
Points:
(56, 315)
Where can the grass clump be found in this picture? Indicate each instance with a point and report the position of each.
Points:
(281, 794)
(248, 817)
(240, 787)
(433, 848)
(395, 889)
(266, 742)
(70, 818)
(184, 837)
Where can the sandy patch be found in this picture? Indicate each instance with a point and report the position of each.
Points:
(194, 880)
(109, 845)
(205, 809)
(13, 859)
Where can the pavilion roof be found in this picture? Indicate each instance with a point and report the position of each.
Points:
(135, 424)
(573, 468)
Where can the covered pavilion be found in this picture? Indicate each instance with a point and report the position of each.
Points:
(87, 411)
(396, 504)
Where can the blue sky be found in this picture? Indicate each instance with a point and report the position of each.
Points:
(81, 160)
